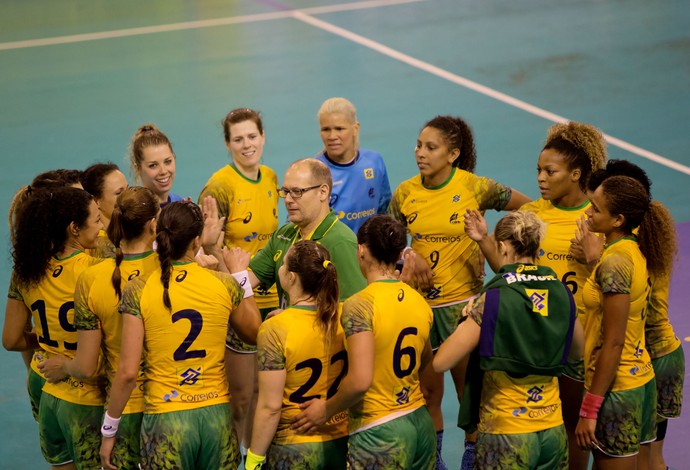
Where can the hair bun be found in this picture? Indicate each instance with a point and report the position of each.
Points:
(147, 128)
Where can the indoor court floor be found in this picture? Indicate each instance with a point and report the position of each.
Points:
(77, 78)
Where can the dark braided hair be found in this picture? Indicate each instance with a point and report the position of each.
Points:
(179, 223)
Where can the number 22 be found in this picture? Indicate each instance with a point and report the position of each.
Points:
(300, 395)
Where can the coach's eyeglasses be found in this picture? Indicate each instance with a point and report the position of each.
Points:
(296, 193)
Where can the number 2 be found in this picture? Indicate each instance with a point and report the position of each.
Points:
(197, 322)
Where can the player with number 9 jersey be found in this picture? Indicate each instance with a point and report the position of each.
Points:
(432, 205)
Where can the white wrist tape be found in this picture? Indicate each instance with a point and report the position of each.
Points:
(243, 278)
(110, 425)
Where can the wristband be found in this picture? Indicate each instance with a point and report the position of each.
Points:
(590, 406)
(110, 425)
(243, 278)
(254, 462)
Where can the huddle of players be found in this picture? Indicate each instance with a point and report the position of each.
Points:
(171, 364)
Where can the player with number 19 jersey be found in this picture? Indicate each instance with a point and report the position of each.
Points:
(314, 366)
(400, 320)
(184, 346)
(554, 251)
(52, 305)
(435, 219)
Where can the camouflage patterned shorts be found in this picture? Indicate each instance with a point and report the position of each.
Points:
(70, 432)
(670, 375)
(35, 387)
(198, 438)
(627, 419)
(329, 454)
(541, 449)
(408, 442)
(126, 452)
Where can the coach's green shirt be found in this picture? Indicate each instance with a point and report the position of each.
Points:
(334, 235)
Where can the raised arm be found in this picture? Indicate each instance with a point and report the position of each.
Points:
(477, 230)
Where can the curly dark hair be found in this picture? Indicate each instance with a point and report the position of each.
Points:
(42, 229)
(657, 232)
(620, 168)
(581, 145)
(48, 179)
(457, 135)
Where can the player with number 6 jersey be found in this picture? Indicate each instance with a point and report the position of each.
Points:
(386, 328)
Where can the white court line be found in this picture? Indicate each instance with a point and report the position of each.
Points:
(484, 90)
(304, 16)
(230, 20)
